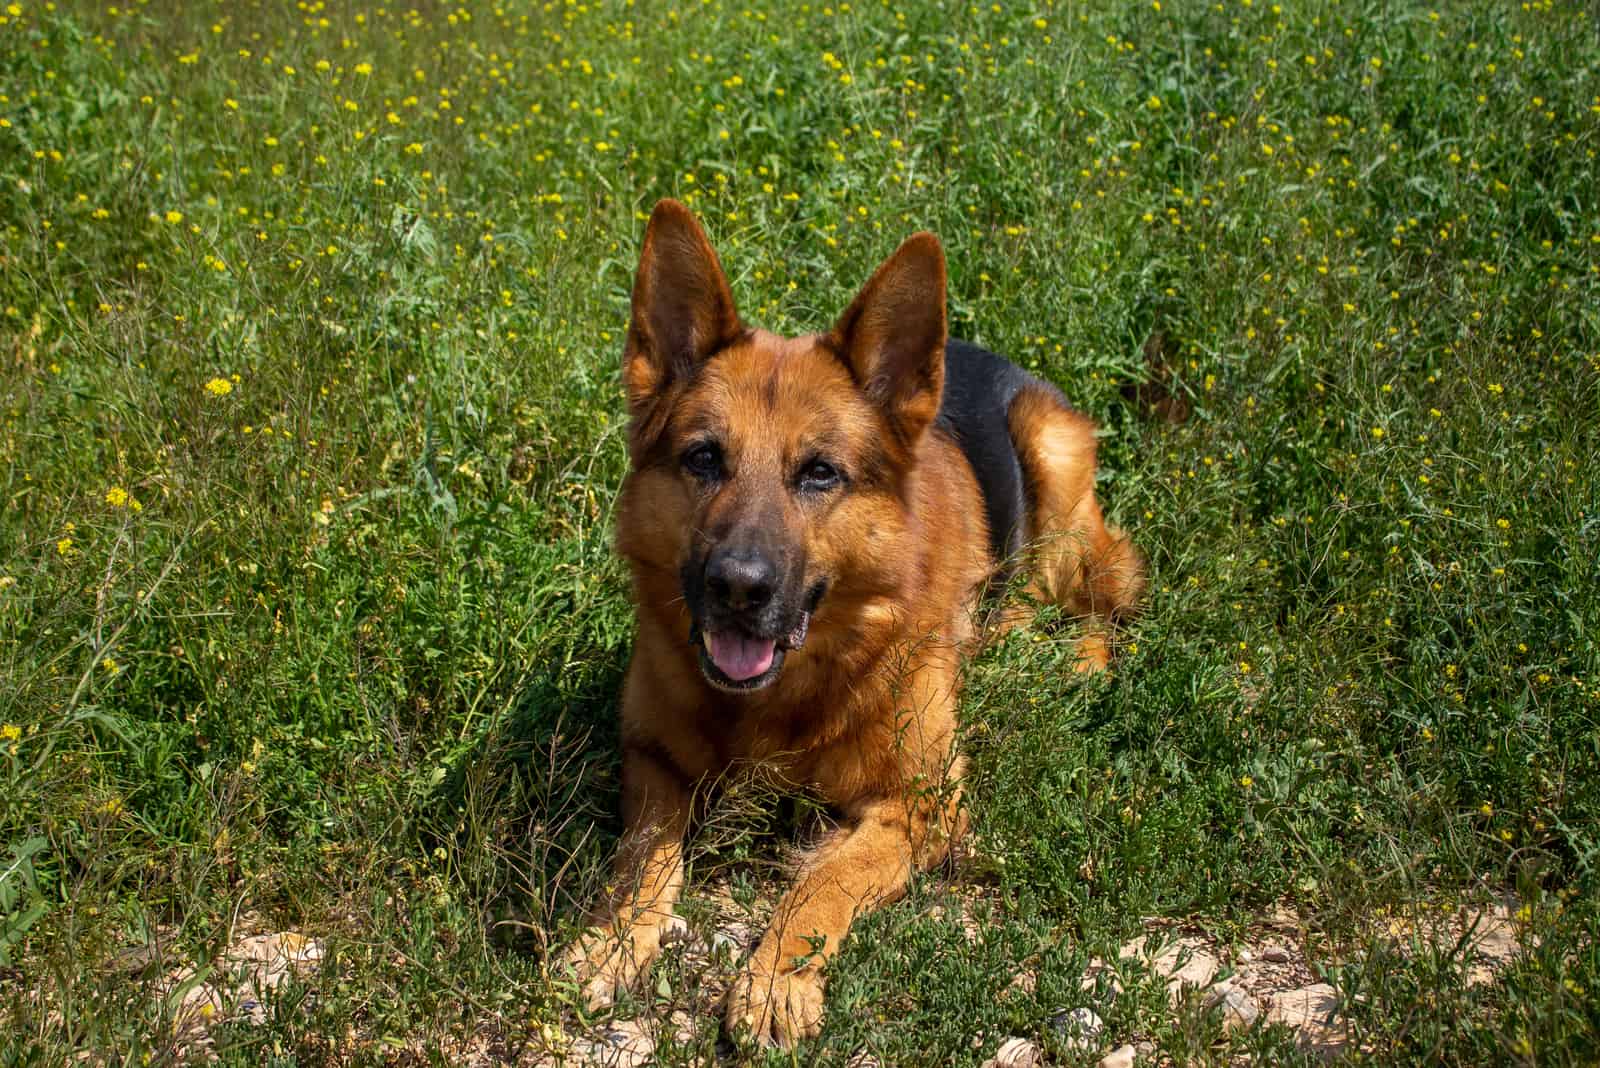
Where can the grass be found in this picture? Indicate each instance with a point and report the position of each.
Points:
(310, 318)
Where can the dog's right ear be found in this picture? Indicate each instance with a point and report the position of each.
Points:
(682, 307)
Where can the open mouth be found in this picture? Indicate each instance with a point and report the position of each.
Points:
(738, 663)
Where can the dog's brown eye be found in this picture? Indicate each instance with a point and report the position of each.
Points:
(819, 475)
(703, 461)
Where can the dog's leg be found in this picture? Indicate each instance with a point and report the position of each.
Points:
(638, 907)
(866, 863)
(1088, 568)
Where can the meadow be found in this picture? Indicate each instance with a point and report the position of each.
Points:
(311, 425)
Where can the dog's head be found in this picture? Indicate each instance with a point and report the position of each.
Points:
(769, 474)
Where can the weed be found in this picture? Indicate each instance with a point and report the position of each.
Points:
(309, 327)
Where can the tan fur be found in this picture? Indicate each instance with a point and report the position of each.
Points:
(864, 714)
(1089, 569)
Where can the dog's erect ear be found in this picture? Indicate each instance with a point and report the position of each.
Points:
(892, 336)
(682, 306)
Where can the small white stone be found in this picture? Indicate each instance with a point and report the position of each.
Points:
(1310, 1010)
(1121, 1057)
(288, 947)
(201, 1005)
(1079, 1029)
(249, 972)
(1185, 964)
(1239, 1009)
(1306, 1004)
(1016, 1053)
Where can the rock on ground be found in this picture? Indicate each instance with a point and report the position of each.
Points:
(240, 982)
(1239, 1009)
(1016, 1053)
(1078, 1029)
(1121, 1057)
(1311, 1012)
(1187, 962)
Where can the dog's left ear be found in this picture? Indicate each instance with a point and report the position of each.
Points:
(892, 336)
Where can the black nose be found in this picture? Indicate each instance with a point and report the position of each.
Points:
(741, 578)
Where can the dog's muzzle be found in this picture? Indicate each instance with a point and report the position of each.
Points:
(739, 663)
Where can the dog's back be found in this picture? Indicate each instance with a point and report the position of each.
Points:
(1034, 459)
(979, 387)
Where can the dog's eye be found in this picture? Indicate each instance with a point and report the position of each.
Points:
(703, 461)
(819, 475)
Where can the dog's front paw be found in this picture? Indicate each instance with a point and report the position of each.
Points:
(776, 1007)
(607, 962)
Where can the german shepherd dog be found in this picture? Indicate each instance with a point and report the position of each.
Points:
(811, 523)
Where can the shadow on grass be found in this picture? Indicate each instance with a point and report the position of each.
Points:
(529, 812)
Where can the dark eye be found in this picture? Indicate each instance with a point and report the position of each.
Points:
(818, 476)
(703, 461)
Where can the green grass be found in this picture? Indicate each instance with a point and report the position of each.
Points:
(339, 645)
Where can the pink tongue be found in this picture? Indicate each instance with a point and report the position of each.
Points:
(738, 657)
